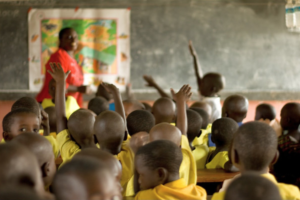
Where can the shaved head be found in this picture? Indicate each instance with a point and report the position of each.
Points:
(109, 130)
(132, 105)
(164, 110)
(290, 116)
(165, 131)
(235, 107)
(204, 105)
(265, 111)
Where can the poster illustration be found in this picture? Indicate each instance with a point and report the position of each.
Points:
(103, 43)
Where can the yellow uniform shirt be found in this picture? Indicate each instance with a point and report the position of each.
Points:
(54, 144)
(126, 158)
(53, 134)
(71, 105)
(218, 161)
(203, 139)
(286, 191)
(200, 154)
(188, 168)
(174, 190)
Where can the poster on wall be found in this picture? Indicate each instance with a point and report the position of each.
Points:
(103, 43)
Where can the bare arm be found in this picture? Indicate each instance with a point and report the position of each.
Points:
(82, 89)
(197, 66)
(45, 123)
(151, 83)
(60, 105)
(181, 98)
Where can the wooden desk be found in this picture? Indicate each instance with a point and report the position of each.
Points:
(214, 175)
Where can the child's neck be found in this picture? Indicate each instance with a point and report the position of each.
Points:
(172, 177)
(222, 148)
(295, 134)
(191, 145)
(263, 171)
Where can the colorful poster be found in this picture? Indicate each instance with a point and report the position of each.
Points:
(103, 43)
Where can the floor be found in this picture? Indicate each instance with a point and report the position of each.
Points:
(6, 105)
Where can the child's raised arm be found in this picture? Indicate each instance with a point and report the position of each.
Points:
(151, 83)
(197, 66)
(181, 97)
(45, 122)
(59, 76)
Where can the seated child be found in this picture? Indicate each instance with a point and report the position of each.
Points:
(163, 110)
(139, 120)
(42, 149)
(199, 151)
(265, 111)
(157, 165)
(20, 193)
(132, 105)
(84, 178)
(108, 160)
(209, 86)
(98, 105)
(236, 108)
(222, 134)
(252, 186)
(203, 139)
(20, 168)
(203, 105)
(287, 167)
(52, 120)
(71, 103)
(77, 132)
(19, 121)
(254, 148)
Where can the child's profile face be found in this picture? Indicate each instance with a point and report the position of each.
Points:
(148, 178)
(22, 123)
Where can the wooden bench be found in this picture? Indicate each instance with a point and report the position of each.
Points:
(214, 175)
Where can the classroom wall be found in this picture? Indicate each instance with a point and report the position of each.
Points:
(245, 40)
(5, 107)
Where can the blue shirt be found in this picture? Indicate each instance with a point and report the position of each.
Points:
(112, 107)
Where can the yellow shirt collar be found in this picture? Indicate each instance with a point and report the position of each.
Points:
(178, 184)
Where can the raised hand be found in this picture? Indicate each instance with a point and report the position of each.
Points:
(58, 73)
(111, 88)
(184, 94)
(192, 50)
(150, 81)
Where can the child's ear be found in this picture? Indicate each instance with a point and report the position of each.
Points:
(45, 169)
(275, 159)
(162, 175)
(6, 136)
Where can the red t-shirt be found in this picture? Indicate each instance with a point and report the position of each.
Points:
(75, 77)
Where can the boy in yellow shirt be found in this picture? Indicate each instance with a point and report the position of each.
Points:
(157, 165)
(254, 149)
(84, 178)
(252, 186)
(42, 149)
(222, 134)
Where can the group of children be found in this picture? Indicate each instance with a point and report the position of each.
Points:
(115, 149)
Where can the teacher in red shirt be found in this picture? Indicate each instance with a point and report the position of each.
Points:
(68, 43)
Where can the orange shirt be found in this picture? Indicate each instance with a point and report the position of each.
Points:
(75, 77)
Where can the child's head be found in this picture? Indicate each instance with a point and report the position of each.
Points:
(132, 105)
(84, 179)
(19, 168)
(19, 121)
(157, 163)
(28, 103)
(52, 118)
(68, 39)
(165, 131)
(80, 126)
(98, 105)
(106, 159)
(109, 130)
(194, 124)
(42, 149)
(211, 84)
(163, 110)
(290, 116)
(147, 106)
(102, 92)
(52, 88)
(235, 107)
(254, 147)
(139, 120)
(204, 105)
(265, 111)
(251, 186)
(222, 131)
(204, 116)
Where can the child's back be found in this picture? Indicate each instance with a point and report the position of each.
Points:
(157, 165)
